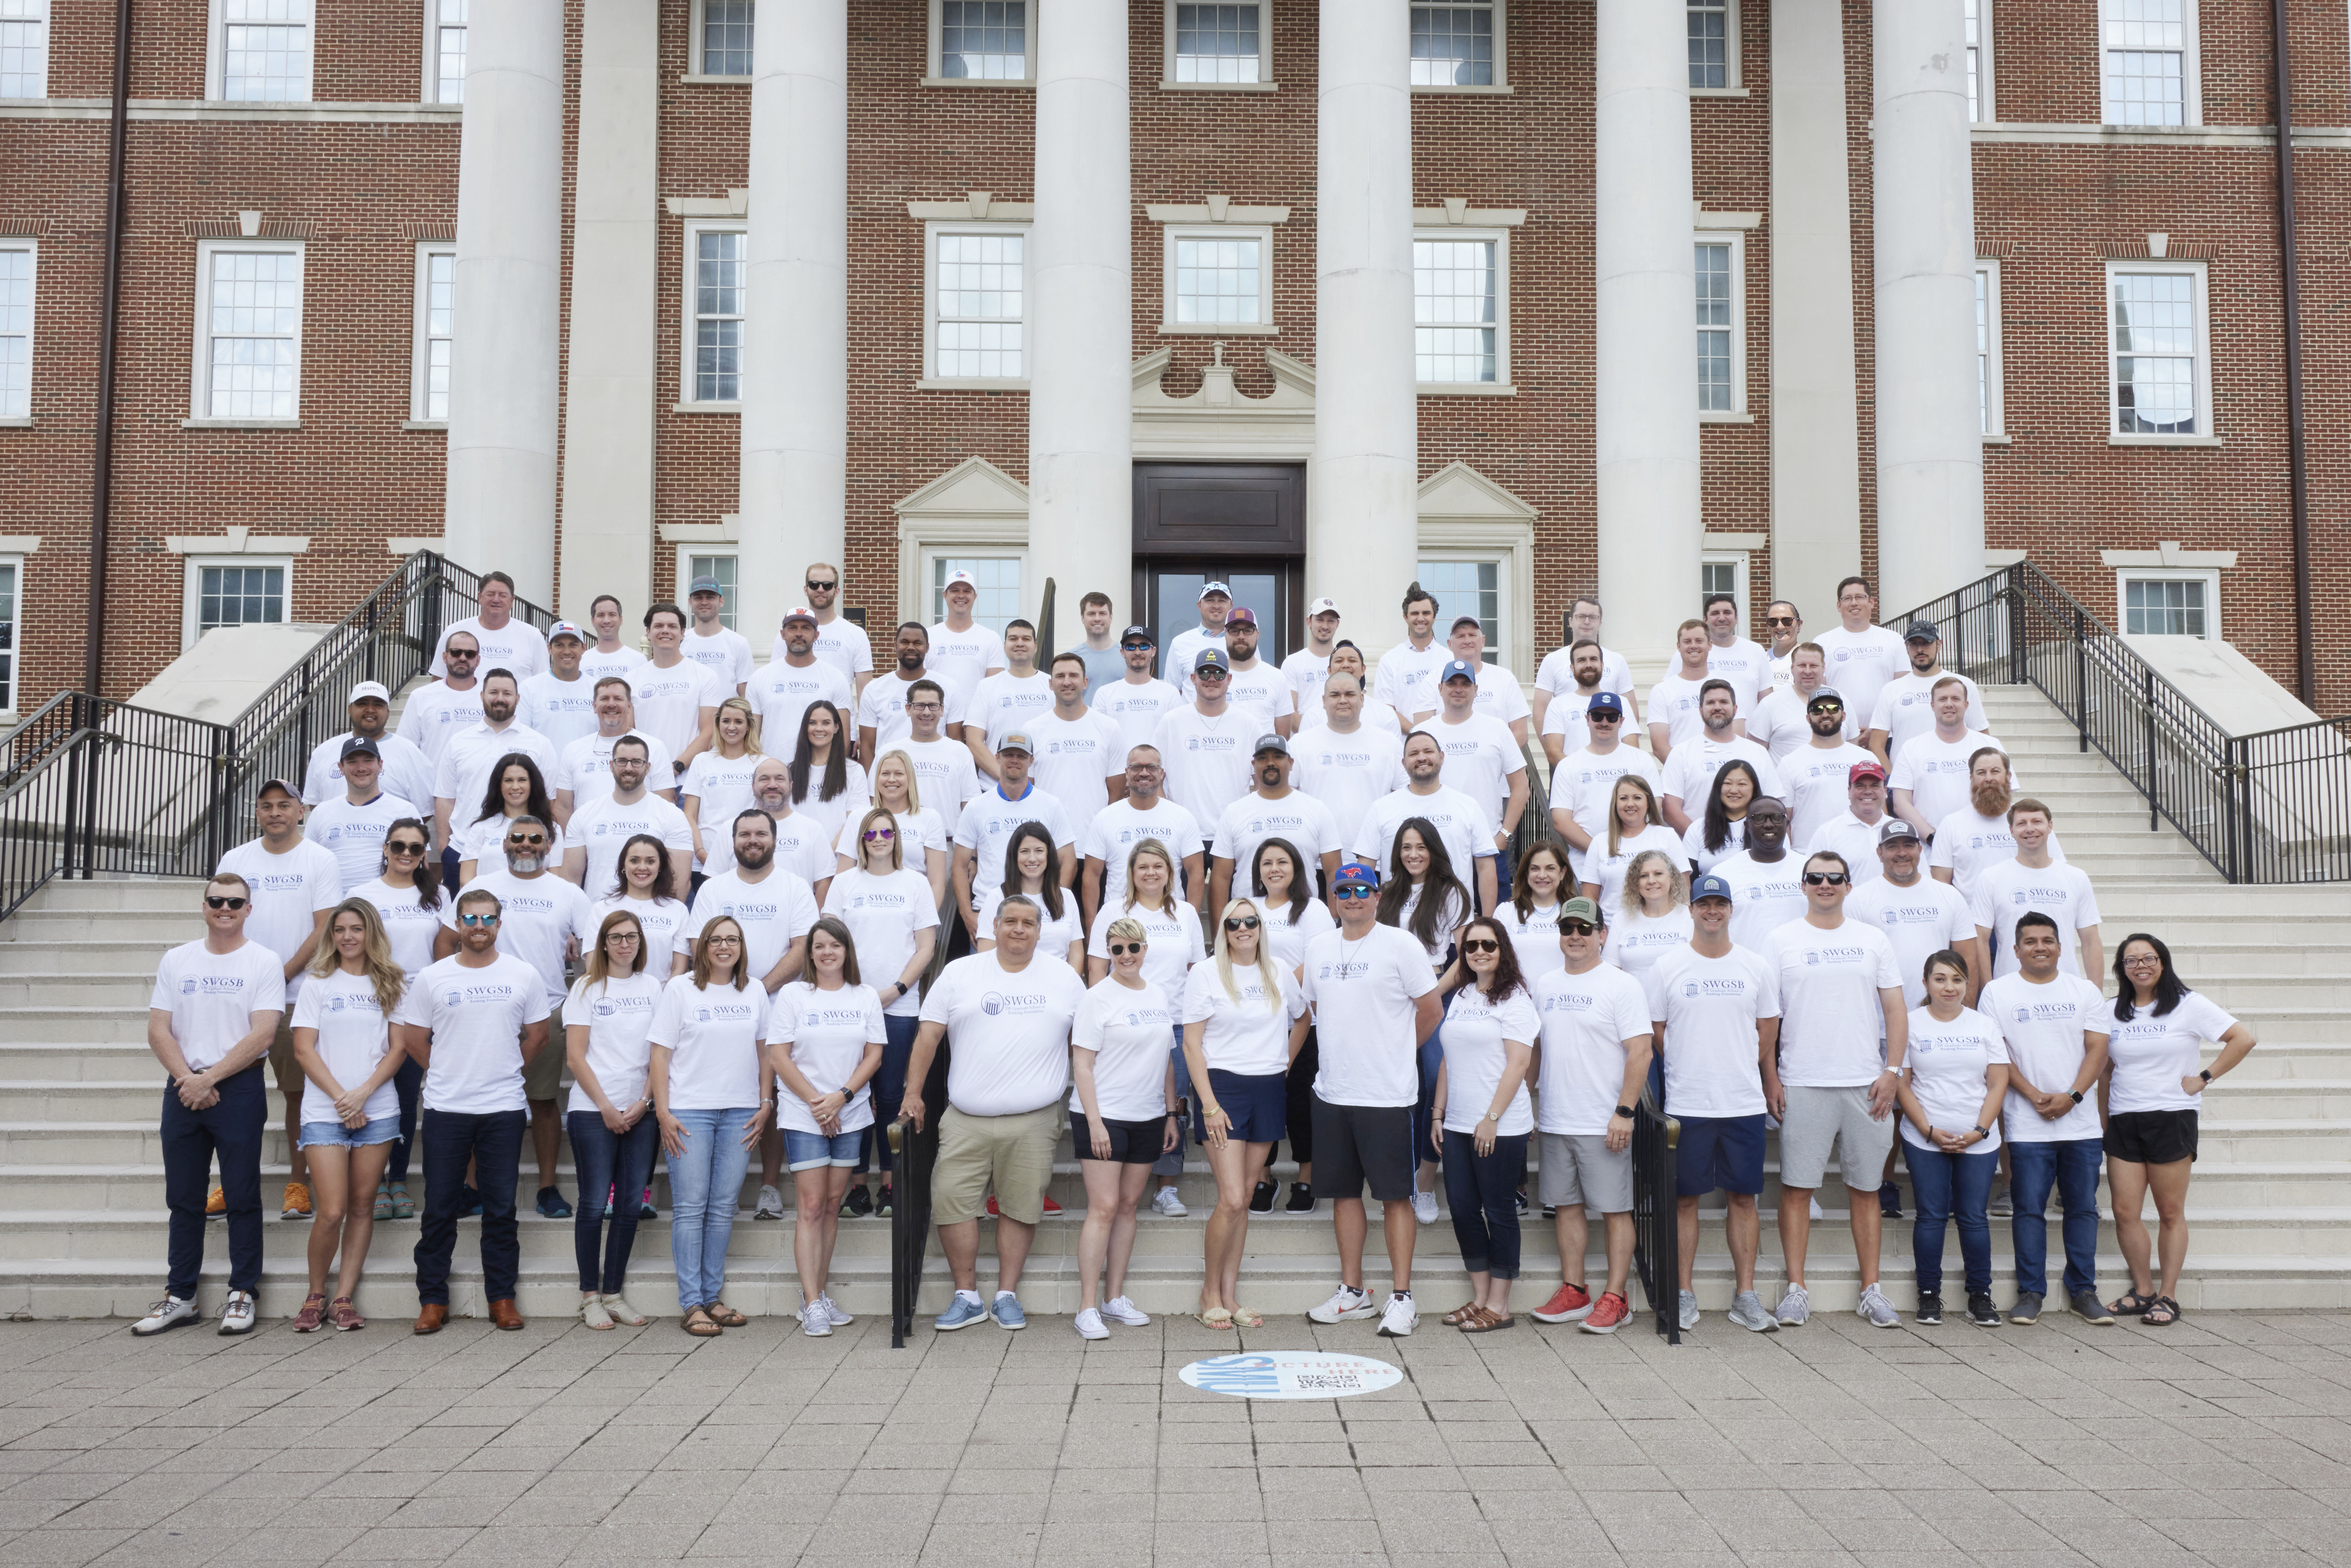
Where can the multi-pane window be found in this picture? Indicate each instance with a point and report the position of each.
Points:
(720, 259)
(2144, 46)
(1218, 44)
(1717, 576)
(253, 334)
(436, 326)
(239, 596)
(2164, 607)
(721, 567)
(1988, 371)
(1218, 280)
(1455, 309)
(984, 39)
(1716, 387)
(17, 330)
(996, 579)
(977, 298)
(2155, 345)
(1453, 46)
(1709, 43)
(1977, 79)
(727, 38)
(265, 51)
(24, 48)
(1468, 588)
(11, 574)
(448, 44)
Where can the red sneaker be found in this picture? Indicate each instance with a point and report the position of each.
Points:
(1052, 1210)
(1568, 1304)
(991, 1206)
(1608, 1314)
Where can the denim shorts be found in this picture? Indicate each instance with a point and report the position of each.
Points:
(335, 1136)
(812, 1150)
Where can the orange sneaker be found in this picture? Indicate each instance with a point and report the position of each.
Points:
(1608, 1314)
(1568, 1304)
(298, 1202)
(217, 1205)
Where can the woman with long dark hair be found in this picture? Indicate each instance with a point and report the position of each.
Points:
(1538, 887)
(1484, 1118)
(1032, 865)
(1721, 831)
(2153, 1088)
(647, 888)
(515, 789)
(607, 1021)
(1422, 898)
(1281, 878)
(826, 785)
(407, 898)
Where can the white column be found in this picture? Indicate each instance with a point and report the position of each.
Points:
(795, 463)
(503, 379)
(1646, 427)
(609, 389)
(1364, 532)
(1080, 293)
(1930, 531)
(1815, 393)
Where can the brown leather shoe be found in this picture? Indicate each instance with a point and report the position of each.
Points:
(504, 1315)
(432, 1316)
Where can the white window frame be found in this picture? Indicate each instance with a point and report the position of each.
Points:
(1985, 113)
(2192, 72)
(192, 582)
(1507, 628)
(31, 247)
(431, 75)
(699, 68)
(930, 608)
(2208, 432)
(687, 554)
(1737, 240)
(1265, 82)
(936, 78)
(13, 682)
(1263, 326)
(1738, 560)
(689, 263)
(216, 53)
(2209, 575)
(200, 388)
(420, 354)
(1734, 85)
(932, 230)
(1501, 386)
(39, 13)
(1501, 82)
(1995, 411)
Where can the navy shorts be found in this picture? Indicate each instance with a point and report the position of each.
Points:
(1258, 1105)
(1724, 1152)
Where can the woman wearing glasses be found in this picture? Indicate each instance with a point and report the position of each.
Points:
(1635, 824)
(893, 919)
(1721, 831)
(824, 1041)
(1484, 1117)
(515, 789)
(717, 784)
(924, 849)
(1293, 918)
(1121, 1119)
(407, 900)
(607, 1022)
(710, 1096)
(1032, 865)
(2154, 1040)
(1244, 1019)
(1422, 898)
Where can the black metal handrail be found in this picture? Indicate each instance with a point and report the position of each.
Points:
(1656, 1218)
(912, 1154)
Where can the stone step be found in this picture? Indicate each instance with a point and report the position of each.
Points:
(178, 896)
(72, 957)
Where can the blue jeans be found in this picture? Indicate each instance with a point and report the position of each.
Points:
(1423, 1110)
(889, 1089)
(230, 1127)
(1170, 1165)
(605, 1161)
(706, 1188)
(1948, 1186)
(1483, 1190)
(409, 1082)
(492, 1141)
(2071, 1166)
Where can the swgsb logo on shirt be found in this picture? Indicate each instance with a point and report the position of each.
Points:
(462, 996)
(212, 985)
(1575, 1002)
(1819, 955)
(1714, 988)
(723, 1012)
(1210, 742)
(998, 1004)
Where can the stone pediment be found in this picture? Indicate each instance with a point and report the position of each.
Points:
(1459, 493)
(974, 488)
(1292, 396)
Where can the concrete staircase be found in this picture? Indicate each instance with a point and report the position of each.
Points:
(82, 1225)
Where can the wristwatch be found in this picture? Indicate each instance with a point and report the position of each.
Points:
(1983, 1131)
(2077, 1096)
(1626, 1112)
(2206, 1074)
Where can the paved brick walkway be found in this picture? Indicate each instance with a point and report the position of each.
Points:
(2224, 1440)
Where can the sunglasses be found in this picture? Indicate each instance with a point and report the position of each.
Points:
(1604, 717)
(1121, 949)
(1577, 927)
(1135, 647)
(403, 849)
(1241, 923)
(873, 834)
(813, 586)
(1779, 621)
(1357, 892)
(213, 902)
(1829, 878)
(534, 841)
(478, 920)
(1828, 708)
(1480, 945)
(1210, 675)
(459, 653)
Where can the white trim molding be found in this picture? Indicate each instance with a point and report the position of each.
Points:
(1260, 235)
(1465, 515)
(20, 544)
(933, 231)
(192, 576)
(974, 507)
(240, 539)
(726, 531)
(1734, 241)
(2167, 552)
(977, 207)
(1264, 82)
(1457, 213)
(935, 76)
(734, 204)
(2206, 418)
(2208, 575)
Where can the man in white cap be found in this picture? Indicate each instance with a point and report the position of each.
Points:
(1555, 675)
(788, 687)
(405, 765)
(1311, 667)
(1406, 676)
(559, 702)
(505, 642)
(963, 653)
(710, 642)
(1216, 604)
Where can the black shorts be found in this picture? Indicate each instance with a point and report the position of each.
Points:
(1355, 1145)
(1255, 1104)
(1131, 1143)
(2151, 1138)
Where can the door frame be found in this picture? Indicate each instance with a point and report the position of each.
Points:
(1156, 551)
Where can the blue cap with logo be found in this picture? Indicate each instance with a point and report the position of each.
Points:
(1210, 659)
(1606, 702)
(1711, 887)
(1354, 873)
(1459, 670)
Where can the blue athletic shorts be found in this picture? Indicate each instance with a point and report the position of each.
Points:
(1720, 1152)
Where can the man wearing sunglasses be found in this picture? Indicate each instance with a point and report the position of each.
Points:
(440, 708)
(351, 826)
(210, 1019)
(1785, 628)
(1817, 773)
(1584, 783)
(1142, 813)
(1135, 701)
(407, 770)
(1843, 1031)
(1778, 724)
(1205, 744)
(475, 1020)
(839, 642)
(1271, 809)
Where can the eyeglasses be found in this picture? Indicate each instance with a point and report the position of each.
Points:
(624, 936)
(402, 848)
(1142, 767)
(873, 834)
(478, 920)
(1831, 878)
(213, 902)
(1480, 945)
(1355, 892)
(2137, 961)
(722, 941)
(1577, 927)
(1121, 949)
(1241, 923)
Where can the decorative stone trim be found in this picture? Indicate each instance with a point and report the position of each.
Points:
(2167, 552)
(1456, 211)
(734, 204)
(239, 540)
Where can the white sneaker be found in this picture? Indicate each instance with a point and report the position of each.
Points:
(1345, 1303)
(168, 1313)
(1687, 1309)
(1088, 1325)
(770, 1205)
(815, 1322)
(1168, 1204)
(1795, 1308)
(1876, 1311)
(1398, 1319)
(1424, 1207)
(1120, 1310)
(236, 1313)
(833, 1314)
(1816, 1210)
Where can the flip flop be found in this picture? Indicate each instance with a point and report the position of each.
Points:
(1213, 1317)
(1243, 1318)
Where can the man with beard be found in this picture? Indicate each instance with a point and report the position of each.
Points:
(1905, 704)
(1555, 677)
(1563, 723)
(593, 837)
(1463, 821)
(1779, 724)
(1929, 779)
(1854, 835)
(839, 642)
(1766, 888)
(788, 687)
(462, 775)
(1310, 667)
(1272, 810)
(1254, 683)
(1817, 774)
(1976, 837)
(882, 705)
(1135, 701)
(439, 709)
(1688, 774)
(1142, 813)
(801, 846)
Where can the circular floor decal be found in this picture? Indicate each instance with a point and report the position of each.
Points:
(1292, 1375)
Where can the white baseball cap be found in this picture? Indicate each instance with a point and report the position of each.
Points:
(367, 689)
(960, 576)
(566, 629)
(1323, 607)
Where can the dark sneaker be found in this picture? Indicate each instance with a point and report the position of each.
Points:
(886, 1201)
(470, 1205)
(551, 1204)
(646, 1209)
(1262, 1199)
(1301, 1199)
(2027, 1309)
(859, 1203)
(1981, 1312)
(2090, 1309)
(1930, 1307)
(1889, 1201)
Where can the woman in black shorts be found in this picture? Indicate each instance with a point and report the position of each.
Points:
(1122, 1118)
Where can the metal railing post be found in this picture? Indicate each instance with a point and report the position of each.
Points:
(2147, 714)
(2016, 592)
(2081, 681)
(2231, 807)
(76, 766)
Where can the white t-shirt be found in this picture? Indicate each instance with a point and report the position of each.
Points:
(354, 834)
(712, 1034)
(944, 777)
(1297, 817)
(431, 714)
(1463, 821)
(537, 917)
(483, 841)
(1055, 933)
(1860, 663)
(462, 775)
(1128, 1030)
(959, 660)
(1076, 758)
(1816, 780)
(1854, 838)
(1710, 1007)
(1452, 919)
(669, 702)
(1689, 771)
(661, 919)
(603, 826)
(1746, 665)
(1207, 759)
(882, 707)
(561, 710)
(476, 1016)
(517, 646)
(1534, 939)
(1135, 709)
(1673, 702)
(1250, 1036)
(1920, 921)
(1587, 1019)
(622, 661)
(407, 771)
(585, 766)
(987, 824)
(1967, 841)
(1172, 941)
(2044, 1027)
(1010, 1032)
(1565, 718)
(1364, 991)
(803, 847)
(1831, 1017)
(827, 1032)
(1118, 827)
(725, 652)
(1480, 756)
(1947, 1065)
(1585, 782)
(1287, 934)
(1763, 896)
(774, 912)
(2007, 892)
(1004, 701)
(1379, 716)
(1500, 697)
(212, 997)
(721, 787)
(1636, 941)
(1308, 673)
(883, 915)
(1935, 771)
(1407, 677)
(618, 1014)
(1906, 707)
(1184, 647)
(828, 816)
(289, 891)
(1556, 674)
(1478, 1037)
(1607, 872)
(2152, 1054)
(781, 694)
(410, 925)
(1781, 724)
(1348, 772)
(1264, 688)
(1694, 848)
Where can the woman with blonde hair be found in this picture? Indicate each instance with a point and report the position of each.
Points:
(1652, 916)
(717, 784)
(607, 1021)
(1121, 1119)
(922, 833)
(343, 1036)
(824, 1041)
(892, 917)
(1244, 1020)
(1172, 929)
(1636, 823)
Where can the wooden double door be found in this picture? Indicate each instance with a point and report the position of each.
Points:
(1241, 524)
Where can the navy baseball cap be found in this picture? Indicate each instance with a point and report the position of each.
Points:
(1711, 887)
(1138, 634)
(1354, 873)
(360, 745)
(1606, 702)
(1210, 659)
(1459, 670)
(1922, 631)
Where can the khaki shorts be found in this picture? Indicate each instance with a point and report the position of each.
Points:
(1015, 1151)
(291, 1079)
(542, 1075)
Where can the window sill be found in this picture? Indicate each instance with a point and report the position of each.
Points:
(1499, 91)
(240, 425)
(16, 422)
(1724, 416)
(2163, 441)
(1217, 330)
(975, 81)
(695, 78)
(1999, 438)
(423, 424)
(1468, 389)
(1718, 92)
(1219, 86)
(973, 383)
(713, 407)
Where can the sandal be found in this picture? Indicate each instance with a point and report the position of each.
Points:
(2132, 1305)
(1488, 1321)
(2161, 1313)
(1245, 1319)
(699, 1323)
(382, 1201)
(1463, 1315)
(726, 1316)
(403, 1208)
(1213, 1317)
